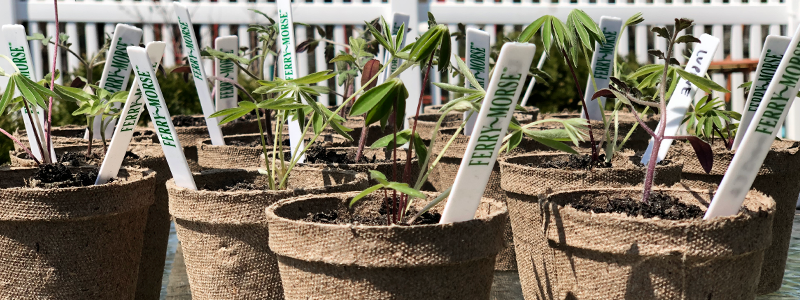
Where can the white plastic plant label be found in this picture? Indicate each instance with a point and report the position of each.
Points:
(602, 66)
(496, 112)
(774, 48)
(287, 63)
(226, 92)
(131, 111)
(478, 62)
(684, 93)
(198, 73)
(758, 139)
(162, 122)
(20, 55)
(117, 69)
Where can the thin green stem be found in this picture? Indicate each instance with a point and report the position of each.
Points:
(264, 149)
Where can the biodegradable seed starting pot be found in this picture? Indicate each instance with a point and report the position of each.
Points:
(223, 230)
(586, 255)
(778, 178)
(427, 121)
(638, 140)
(354, 261)
(154, 249)
(72, 243)
(192, 130)
(523, 180)
(73, 135)
(244, 151)
(444, 174)
(342, 158)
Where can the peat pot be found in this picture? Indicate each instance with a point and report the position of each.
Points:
(778, 178)
(347, 261)
(72, 135)
(523, 184)
(72, 243)
(154, 250)
(192, 130)
(238, 153)
(223, 231)
(586, 255)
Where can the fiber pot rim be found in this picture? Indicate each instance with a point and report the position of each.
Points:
(510, 161)
(754, 200)
(49, 204)
(359, 235)
(336, 165)
(204, 212)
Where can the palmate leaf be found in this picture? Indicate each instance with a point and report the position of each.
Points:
(555, 145)
(380, 37)
(388, 141)
(529, 31)
(28, 91)
(314, 77)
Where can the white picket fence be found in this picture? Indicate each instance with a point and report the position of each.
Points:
(741, 25)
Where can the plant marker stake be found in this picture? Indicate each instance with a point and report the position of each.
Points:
(162, 122)
(774, 48)
(20, 54)
(398, 19)
(478, 62)
(758, 139)
(117, 70)
(288, 70)
(131, 112)
(539, 66)
(602, 65)
(198, 73)
(505, 88)
(226, 92)
(683, 95)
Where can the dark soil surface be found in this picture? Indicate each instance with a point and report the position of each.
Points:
(76, 159)
(575, 162)
(256, 143)
(50, 176)
(238, 187)
(143, 133)
(320, 155)
(659, 205)
(192, 121)
(333, 217)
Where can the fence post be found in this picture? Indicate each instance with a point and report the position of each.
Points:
(8, 12)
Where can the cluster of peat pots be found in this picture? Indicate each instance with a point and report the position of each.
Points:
(548, 221)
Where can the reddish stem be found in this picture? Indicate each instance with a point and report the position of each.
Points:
(21, 145)
(49, 124)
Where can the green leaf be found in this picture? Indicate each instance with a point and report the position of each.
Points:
(555, 145)
(454, 88)
(27, 91)
(528, 33)
(422, 150)
(375, 174)
(426, 44)
(8, 94)
(314, 77)
(380, 38)
(388, 140)
(405, 189)
(462, 66)
(701, 82)
(444, 51)
(514, 141)
(343, 57)
(365, 193)
(373, 97)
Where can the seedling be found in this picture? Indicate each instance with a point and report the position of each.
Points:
(94, 105)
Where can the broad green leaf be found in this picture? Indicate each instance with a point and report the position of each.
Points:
(514, 141)
(405, 189)
(422, 150)
(8, 94)
(444, 51)
(372, 97)
(343, 57)
(314, 77)
(529, 31)
(388, 140)
(364, 193)
(555, 145)
(701, 82)
(375, 174)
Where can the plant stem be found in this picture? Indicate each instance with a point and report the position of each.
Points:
(21, 145)
(49, 124)
(362, 141)
(264, 149)
(585, 110)
(651, 165)
(394, 164)
(407, 171)
(89, 122)
(103, 135)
